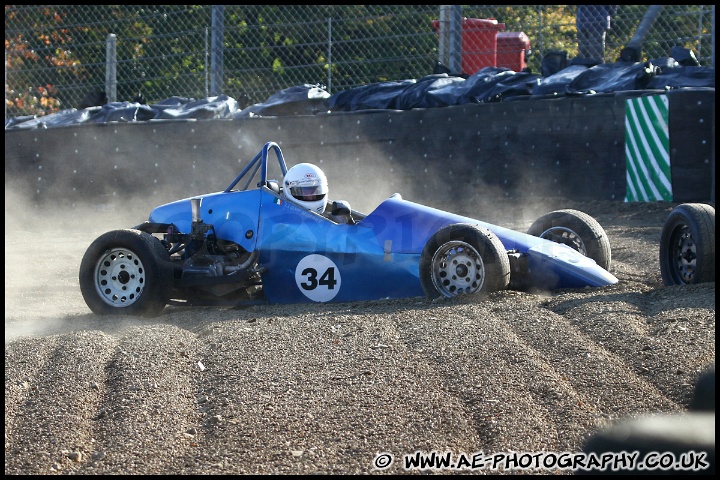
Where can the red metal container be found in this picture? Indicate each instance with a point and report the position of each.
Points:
(513, 49)
(479, 43)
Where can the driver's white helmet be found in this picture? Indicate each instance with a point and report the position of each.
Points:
(307, 185)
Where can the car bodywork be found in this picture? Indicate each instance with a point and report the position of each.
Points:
(250, 244)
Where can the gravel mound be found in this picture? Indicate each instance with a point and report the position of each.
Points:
(339, 388)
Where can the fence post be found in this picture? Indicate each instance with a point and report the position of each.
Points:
(111, 68)
(450, 32)
(645, 23)
(216, 50)
(712, 55)
(329, 57)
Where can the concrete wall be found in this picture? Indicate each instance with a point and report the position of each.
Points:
(570, 147)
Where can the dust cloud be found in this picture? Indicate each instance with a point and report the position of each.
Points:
(47, 233)
(46, 239)
(44, 245)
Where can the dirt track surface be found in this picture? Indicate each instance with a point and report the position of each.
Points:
(328, 388)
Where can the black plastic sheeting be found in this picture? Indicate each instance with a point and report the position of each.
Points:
(491, 84)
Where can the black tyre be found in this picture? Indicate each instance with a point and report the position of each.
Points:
(126, 272)
(577, 230)
(687, 245)
(461, 259)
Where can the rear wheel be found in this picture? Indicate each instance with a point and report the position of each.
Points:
(687, 245)
(462, 259)
(126, 272)
(576, 229)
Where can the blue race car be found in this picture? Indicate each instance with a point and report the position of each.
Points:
(250, 244)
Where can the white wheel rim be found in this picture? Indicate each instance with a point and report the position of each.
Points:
(119, 277)
(566, 237)
(457, 268)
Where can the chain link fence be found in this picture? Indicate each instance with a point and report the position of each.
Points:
(59, 57)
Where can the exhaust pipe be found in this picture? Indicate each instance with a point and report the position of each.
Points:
(195, 205)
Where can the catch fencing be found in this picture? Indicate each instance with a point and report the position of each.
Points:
(72, 56)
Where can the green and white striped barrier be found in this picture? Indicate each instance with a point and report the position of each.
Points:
(647, 149)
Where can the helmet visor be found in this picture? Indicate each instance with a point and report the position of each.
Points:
(308, 194)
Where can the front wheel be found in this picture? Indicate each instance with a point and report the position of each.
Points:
(687, 245)
(576, 229)
(126, 272)
(462, 259)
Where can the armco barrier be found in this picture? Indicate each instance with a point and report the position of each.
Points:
(569, 147)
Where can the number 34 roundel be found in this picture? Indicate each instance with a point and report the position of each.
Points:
(318, 278)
